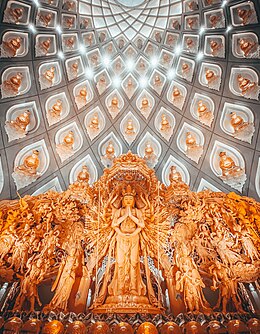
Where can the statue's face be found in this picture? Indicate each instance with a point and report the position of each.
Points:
(128, 200)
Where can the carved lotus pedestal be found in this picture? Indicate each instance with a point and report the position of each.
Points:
(127, 304)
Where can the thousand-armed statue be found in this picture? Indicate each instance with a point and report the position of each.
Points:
(130, 244)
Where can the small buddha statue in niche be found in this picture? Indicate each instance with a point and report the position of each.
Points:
(245, 15)
(69, 43)
(174, 175)
(30, 164)
(141, 65)
(130, 128)
(145, 107)
(177, 98)
(246, 86)
(54, 114)
(242, 130)
(43, 47)
(13, 15)
(47, 78)
(157, 83)
(186, 71)
(191, 45)
(192, 23)
(212, 79)
(102, 84)
(176, 24)
(102, 37)
(81, 97)
(193, 150)
(149, 155)
(65, 149)
(171, 39)
(165, 125)
(45, 19)
(166, 59)
(150, 50)
(130, 87)
(121, 43)
(12, 86)
(10, 47)
(114, 106)
(216, 48)
(94, 59)
(139, 43)
(84, 23)
(69, 6)
(158, 37)
(192, 5)
(88, 39)
(228, 165)
(109, 49)
(83, 176)
(205, 115)
(73, 70)
(246, 46)
(17, 128)
(69, 22)
(109, 156)
(215, 21)
(94, 123)
(118, 66)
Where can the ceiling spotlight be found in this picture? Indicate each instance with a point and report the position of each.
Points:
(200, 56)
(116, 82)
(89, 73)
(130, 64)
(106, 60)
(32, 28)
(60, 54)
(143, 82)
(202, 30)
(154, 61)
(171, 73)
(58, 29)
(178, 50)
(229, 28)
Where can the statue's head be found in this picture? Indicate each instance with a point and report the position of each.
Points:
(128, 196)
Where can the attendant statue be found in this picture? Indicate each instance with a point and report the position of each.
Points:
(11, 47)
(69, 6)
(84, 23)
(193, 150)
(174, 175)
(66, 149)
(94, 59)
(18, 127)
(157, 83)
(109, 156)
(247, 47)
(177, 98)
(81, 97)
(242, 130)
(54, 113)
(11, 87)
(88, 38)
(205, 116)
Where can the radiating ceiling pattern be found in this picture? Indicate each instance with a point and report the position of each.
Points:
(84, 81)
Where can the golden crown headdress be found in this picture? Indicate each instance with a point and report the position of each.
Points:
(128, 191)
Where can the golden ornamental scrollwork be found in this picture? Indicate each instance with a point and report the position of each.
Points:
(116, 246)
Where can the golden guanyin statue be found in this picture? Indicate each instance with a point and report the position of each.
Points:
(11, 47)
(102, 84)
(12, 86)
(118, 238)
(193, 150)
(65, 148)
(205, 115)
(18, 127)
(242, 130)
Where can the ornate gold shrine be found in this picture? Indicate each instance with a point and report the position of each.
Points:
(124, 243)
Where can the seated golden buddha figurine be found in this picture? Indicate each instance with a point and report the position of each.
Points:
(210, 76)
(245, 15)
(192, 5)
(215, 21)
(114, 106)
(84, 23)
(165, 124)
(246, 46)
(43, 47)
(17, 128)
(174, 175)
(102, 84)
(69, 43)
(212, 79)
(45, 19)
(47, 78)
(12, 86)
(191, 22)
(73, 70)
(242, 130)
(130, 128)
(149, 155)
(228, 166)
(30, 164)
(216, 48)
(246, 86)
(69, 6)
(65, 149)
(177, 98)
(205, 115)
(157, 82)
(109, 156)
(88, 39)
(83, 175)
(54, 114)
(145, 107)
(141, 65)
(130, 87)
(191, 45)
(13, 15)
(10, 47)
(94, 59)
(186, 71)
(81, 97)
(69, 22)
(193, 150)
(94, 123)
(176, 24)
